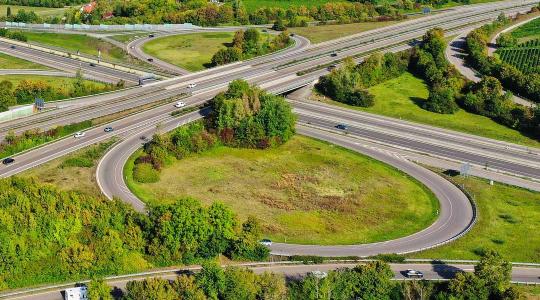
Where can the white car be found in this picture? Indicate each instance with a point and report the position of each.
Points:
(79, 134)
(414, 274)
(266, 242)
(192, 85)
(179, 104)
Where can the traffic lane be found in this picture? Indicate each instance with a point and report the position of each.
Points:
(69, 64)
(431, 271)
(436, 150)
(498, 148)
(455, 211)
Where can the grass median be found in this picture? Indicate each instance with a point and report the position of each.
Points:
(11, 62)
(306, 191)
(402, 98)
(192, 52)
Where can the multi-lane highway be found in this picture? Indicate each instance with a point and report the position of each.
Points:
(277, 73)
(520, 274)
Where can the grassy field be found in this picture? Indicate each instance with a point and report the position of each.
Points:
(252, 5)
(128, 37)
(401, 98)
(41, 11)
(73, 42)
(322, 33)
(56, 82)
(527, 31)
(11, 62)
(73, 172)
(305, 191)
(192, 52)
(507, 217)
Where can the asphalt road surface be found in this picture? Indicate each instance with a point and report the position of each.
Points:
(431, 272)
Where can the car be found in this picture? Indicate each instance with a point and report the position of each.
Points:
(79, 134)
(179, 104)
(92, 64)
(318, 274)
(334, 54)
(108, 129)
(331, 67)
(150, 59)
(150, 35)
(8, 160)
(144, 138)
(12, 47)
(131, 47)
(292, 34)
(342, 126)
(410, 273)
(266, 242)
(192, 85)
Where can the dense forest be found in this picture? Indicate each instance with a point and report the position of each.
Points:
(373, 280)
(243, 116)
(47, 235)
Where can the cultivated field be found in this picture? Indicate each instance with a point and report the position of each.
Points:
(526, 56)
(305, 191)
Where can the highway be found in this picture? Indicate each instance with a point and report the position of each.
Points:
(67, 64)
(290, 271)
(276, 73)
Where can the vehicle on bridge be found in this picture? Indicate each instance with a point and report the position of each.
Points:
(148, 77)
(410, 273)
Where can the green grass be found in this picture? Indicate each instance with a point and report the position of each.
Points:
(126, 38)
(252, 5)
(508, 218)
(527, 31)
(305, 191)
(401, 98)
(322, 33)
(73, 42)
(11, 62)
(64, 83)
(192, 52)
(69, 176)
(41, 11)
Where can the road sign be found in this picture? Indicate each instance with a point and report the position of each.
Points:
(39, 103)
(465, 169)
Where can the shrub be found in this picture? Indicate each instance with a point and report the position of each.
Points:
(145, 173)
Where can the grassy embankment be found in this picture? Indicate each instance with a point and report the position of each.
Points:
(192, 52)
(11, 62)
(527, 31)
(507, 217)
(305, 191)
(40, 11)
(402, 97)
(63, 83)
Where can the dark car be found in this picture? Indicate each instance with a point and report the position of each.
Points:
(8, 161)
(342, 126)
(334, 54)
(108, 129)
(150, 59)
(150, 35)
(92, 64)
(292, 34)
(12, 47)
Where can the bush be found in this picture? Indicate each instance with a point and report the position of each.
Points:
(145, 173)
(390, 258)
(441, 100)
(361, 98)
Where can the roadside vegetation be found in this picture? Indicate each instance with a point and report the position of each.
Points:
(24, 89)
(50, 235)
(507, 214)
(373, 280)
(11, 62)
(305, 191)
(448, 91)
(527, 31)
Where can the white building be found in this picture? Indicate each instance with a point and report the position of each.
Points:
(76, 293)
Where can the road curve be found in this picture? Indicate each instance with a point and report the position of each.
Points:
(455, 218)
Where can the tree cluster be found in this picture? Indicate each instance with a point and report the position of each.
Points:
(26, 91)
(243, 116)
(349, 83)
(248, 44)
(49, 235)
(43, 3)
(14, 35)
(212, 282)
(527, 85)
(445, 83)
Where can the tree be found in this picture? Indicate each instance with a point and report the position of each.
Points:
(506, 40)
(212, 280)
(150, 289)
(468, 286)
(494, 271)
(240, 284)
(362, 98)
(279, 25)
(272, 287)
(441, 100)
(8, 11)
(99, 290)
(187, 288)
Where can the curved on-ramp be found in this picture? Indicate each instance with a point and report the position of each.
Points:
(456, 214)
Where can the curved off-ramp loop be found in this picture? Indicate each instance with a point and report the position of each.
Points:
(134, 48)
(456, 214)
